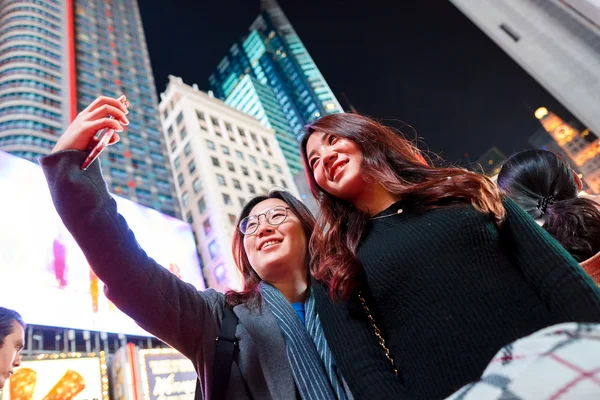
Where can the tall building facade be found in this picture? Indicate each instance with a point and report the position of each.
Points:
(555, 41)
(491, 162)
(272, 62)
(34, 75)
(56, 57)
(580, 145)
(221, 157)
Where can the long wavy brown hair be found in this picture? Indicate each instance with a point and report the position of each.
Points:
(398, 165)
(250, 293)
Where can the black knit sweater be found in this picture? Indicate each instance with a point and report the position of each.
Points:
(449, 289)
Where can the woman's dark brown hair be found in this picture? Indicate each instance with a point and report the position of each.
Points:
(545, 187)
(250, 293)
(397, 164)
(7, 317)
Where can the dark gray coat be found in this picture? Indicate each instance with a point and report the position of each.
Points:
(172, 310)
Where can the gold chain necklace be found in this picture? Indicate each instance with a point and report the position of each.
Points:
(388, 215)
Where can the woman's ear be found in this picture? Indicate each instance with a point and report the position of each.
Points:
(578, 181)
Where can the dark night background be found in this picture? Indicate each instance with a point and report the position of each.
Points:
(422, 62)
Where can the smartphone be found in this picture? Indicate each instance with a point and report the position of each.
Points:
(103, 139)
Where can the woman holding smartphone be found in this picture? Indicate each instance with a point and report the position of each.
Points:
(280, 352)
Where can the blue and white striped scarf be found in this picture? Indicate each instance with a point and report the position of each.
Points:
(307, 350)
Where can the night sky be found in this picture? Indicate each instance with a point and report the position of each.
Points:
(423, 63)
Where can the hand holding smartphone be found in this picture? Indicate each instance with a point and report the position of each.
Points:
(102, 139)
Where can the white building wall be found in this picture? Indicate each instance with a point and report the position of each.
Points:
(556, 41)
(200, 135)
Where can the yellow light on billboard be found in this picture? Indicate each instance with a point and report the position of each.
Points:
(541, 112)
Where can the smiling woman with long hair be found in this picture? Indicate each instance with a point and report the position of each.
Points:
(280, 351)
(433, 270)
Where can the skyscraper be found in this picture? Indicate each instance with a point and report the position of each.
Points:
(581, 146)
(272, 56)
(34, 84)
(56, 57)
(222, 157)
(555, 41)
(491, 161)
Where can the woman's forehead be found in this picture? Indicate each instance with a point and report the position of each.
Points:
(266, 205)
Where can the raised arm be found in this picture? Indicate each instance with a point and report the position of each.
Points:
(165, 306)
(557, 278)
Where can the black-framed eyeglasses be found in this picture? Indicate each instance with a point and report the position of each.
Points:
(274, 217)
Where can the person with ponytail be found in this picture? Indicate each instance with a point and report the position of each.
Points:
(431, 269)
(547, 189)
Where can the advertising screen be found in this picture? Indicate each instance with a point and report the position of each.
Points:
(59, 378)
(44, 274)
(166, 375)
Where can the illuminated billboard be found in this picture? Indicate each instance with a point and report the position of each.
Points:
(46, 277)
(59, 377)
(166, 374)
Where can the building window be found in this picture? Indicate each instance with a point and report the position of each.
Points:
(207, 226)
(232, 219)
(266, 164)
(183, 133)
(189, 218)
(284, 183)
(266, 142)
(225, 150)
(251, 188)
(228, 127)
(227, 199)
(200, 115)
(245, 171)
(180, 180)
(192, 166)
(197, 185)
(177, 162)
(220, 273)
(254, 138)
(210, 144)
(185, 198)
(236, 184)
(271, 180)
(278, 168)
(230, 166)
(259, 175)
(215, 161)
(179, 118)
(173, 146)
(239, 155)
(187, 149)
(253, 160)
(214, 121)
(170, 131)
(242, 201)
(221, 180)
(213, 249)
(201, 205)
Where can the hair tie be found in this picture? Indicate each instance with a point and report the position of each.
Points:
(544, 202)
